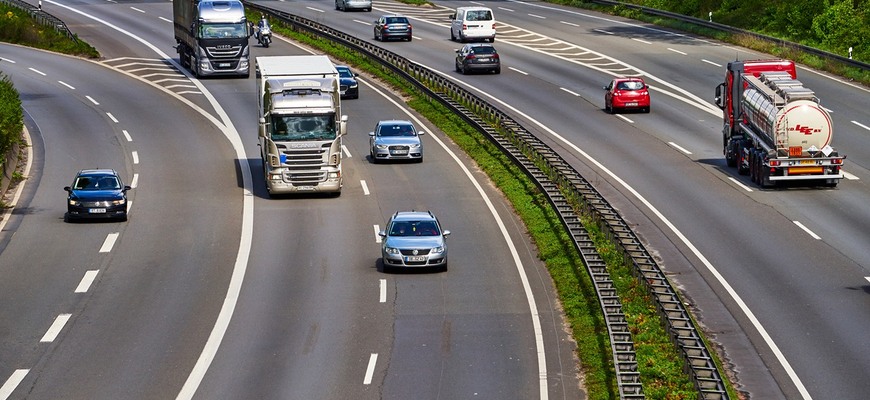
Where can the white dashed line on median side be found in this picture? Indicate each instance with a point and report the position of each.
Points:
(112, 117)
(516, 70)
(677, 51)
(736, 182)
(712, 63)
(383, 290)
(370, 370)
(624, 118)
(676, 146)
(55, 328)
(377, 233)
(861, 125)
(127, 135)
(849, 176)
(570, 92)
(365, 187)
(641, 40)
(807, 230)
(67, 85)
(87, 281)
(346, 151)
(96, 103)
(135, 155)
(109, 242)
(38, 71)
(12, 383)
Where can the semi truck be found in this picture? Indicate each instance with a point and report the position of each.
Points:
(300, 124)
(774, 128)
(212, 37)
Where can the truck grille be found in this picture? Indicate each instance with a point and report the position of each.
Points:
(304, 166)
(224, 51)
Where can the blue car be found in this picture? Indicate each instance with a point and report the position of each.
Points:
(98, 194)
(348, 85)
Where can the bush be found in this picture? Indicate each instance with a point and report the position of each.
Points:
(11, 116)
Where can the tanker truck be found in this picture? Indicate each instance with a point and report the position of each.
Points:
(212, 36)
(300, 124)
(775, 129)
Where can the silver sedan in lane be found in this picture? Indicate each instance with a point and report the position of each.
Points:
(395, 140)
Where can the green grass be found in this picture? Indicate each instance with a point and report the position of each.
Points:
(661, 367)
(16, 26)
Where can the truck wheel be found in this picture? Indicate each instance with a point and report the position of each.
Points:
(730, 155)
(742, 167)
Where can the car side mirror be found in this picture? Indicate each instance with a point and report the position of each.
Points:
(446, 233)
(421, 133)
(382, 234)
(67, 188)
(371, 134)
(127, 187)
(458, 50)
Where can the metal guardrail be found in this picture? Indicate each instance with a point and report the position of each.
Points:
(731, 29)
(42, 17)
(572, 196)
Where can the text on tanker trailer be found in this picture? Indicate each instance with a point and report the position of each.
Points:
(300, 124)
(775, 129)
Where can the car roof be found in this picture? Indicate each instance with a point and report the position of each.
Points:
(98, 171)
(395, 122)
(413, 215)
(628, 79)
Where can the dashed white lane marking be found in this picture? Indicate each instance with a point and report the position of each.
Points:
(7, 60)
(377, 231)
(516, 70)
(365, 187)
(66, 84)
(38, 71)
(346, 151)
(370, 370)
(849, 176)
(624, 118)
(712, 63)
(641, 40)
(109, 242)
(537, 16)
(736, 182)
(677, 51)
(138, 10)
(135, 155)
(676, 146)
(127, 135)
(867, 278)
(568, 23)
(506, 9)
(570, 91)
(807, 230)
(11, 383)
(315, 9)
(861, 125)
(383, 296)
(55, 328)
(362, 22)
(112, 117)
(166, 19)
(135, 181)
(87, 281)
(96, 103)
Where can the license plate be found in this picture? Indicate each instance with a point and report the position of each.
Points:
(224, 65)
(631, 104)
(399, 152)
(305, 188)
(484, 60)
(416, 258)
(807, 162)
(97, 210)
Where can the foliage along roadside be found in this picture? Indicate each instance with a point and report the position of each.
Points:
(18, 27)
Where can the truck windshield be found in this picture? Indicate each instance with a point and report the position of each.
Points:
(297, 128)
(223, 30)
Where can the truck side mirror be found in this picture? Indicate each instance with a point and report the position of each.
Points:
(342, 126)
(262, 130)
(720, 101)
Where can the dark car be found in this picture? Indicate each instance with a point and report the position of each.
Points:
(414, 239)
(478, 57)
(97, 193)
(626, 93)
(395, 140)
(348, 85)
(393, 27)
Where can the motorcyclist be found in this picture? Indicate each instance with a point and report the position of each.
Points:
(260, 26)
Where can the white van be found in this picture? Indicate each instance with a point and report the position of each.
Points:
(472, 23)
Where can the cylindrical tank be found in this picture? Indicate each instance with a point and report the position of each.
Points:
(806, 123)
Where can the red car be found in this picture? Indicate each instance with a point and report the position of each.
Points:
(626, 93)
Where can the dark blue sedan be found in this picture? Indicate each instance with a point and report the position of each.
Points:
(97, 193)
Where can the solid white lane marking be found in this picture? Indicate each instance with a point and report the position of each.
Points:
(38, 71)
(12, 383)
(109, 242)
(136, 9)
(624, 118)
(570, 92)
(364, 187)
(346, 151)
(712, 63)
(87, 281)
(135, 182)
(55, 328)
(377, 233)
(861, 125)
(516, 70)
(677, 51)
(383, 296)
(641, 40)
(738, 183)
(96, 103)
(370, 370)
(537, 16)
(66, 84)
(568, 23)
(807, 230)
(676, 146)
(849, 176)
(112, 117)
(135, 155)
(127, 135)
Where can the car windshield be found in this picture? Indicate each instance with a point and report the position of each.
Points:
(96, 183)
(309, 127)
(414, 228)
(223, 30)
(630, 85)
(344, 72)
(483, 50)
(396, 130)
(396, 20)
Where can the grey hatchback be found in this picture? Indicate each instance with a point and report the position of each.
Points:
(414, 239)
(477, 57)
(393, 26)
(395, 140)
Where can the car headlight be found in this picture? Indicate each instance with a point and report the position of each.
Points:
(354, 85)
(74, 202)
(391, 250)
(118, 202)
(415, 146)
(382, 146)
(437, 250)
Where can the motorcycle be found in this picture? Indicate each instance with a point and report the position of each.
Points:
(264, 36)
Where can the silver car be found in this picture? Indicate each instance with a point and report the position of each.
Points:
(344, 5)
(414, 239)
(395, 140)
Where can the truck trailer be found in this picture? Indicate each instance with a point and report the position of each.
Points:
(774, 128)
(212, 37)
(300, 124)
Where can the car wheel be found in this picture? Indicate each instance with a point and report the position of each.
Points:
(608, 108)
(452, 36)
(67, 218)
(409, 38)
(336, 5)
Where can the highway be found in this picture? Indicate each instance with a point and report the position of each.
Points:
(776, 277)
